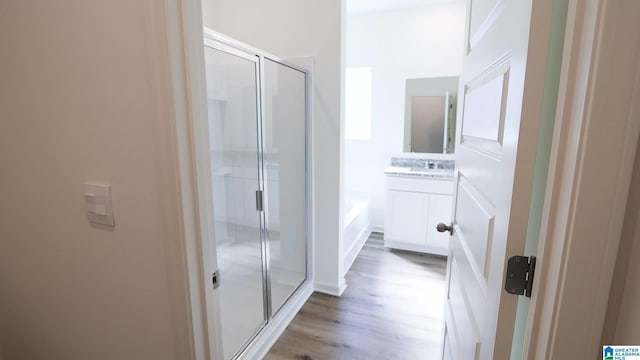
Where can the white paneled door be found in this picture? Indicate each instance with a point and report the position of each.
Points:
(497, 134)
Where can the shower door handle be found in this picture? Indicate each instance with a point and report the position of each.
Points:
(259, 206)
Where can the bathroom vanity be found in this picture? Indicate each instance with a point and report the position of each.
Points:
(419, 196)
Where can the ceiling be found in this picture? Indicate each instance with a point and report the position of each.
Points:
(364, 6)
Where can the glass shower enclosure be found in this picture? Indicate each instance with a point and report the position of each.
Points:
(257, 121)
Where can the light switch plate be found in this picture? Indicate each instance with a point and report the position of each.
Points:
(97, 199)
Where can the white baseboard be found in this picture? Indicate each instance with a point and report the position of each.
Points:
(272, 331)
(353, 251)
(377, 229)
(332, 289)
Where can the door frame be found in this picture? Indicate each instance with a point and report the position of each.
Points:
(185, 50)
(581, 223)
(582, 114)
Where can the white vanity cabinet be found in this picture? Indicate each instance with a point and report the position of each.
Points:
(414, 206)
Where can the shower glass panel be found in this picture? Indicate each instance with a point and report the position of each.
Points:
(233, 139)
(284, 162)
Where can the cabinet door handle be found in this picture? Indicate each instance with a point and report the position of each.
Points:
(442, 227)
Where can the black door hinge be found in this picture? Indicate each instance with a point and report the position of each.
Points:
(520, 271)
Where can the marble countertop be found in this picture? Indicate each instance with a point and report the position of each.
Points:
(437, 174)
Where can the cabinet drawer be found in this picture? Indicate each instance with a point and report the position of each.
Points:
(420, 185)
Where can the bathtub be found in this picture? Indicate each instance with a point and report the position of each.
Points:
(357, 228)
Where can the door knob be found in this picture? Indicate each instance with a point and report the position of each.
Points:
(441, 227)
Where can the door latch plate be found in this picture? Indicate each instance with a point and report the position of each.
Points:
(215, 279)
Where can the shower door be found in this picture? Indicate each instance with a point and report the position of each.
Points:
(257, 124)
(233, 119)
(285, 173)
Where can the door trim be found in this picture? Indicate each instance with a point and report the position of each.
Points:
(597, 113)
(191, 297)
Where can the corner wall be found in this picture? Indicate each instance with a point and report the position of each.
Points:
(297, 28)
(84, 97)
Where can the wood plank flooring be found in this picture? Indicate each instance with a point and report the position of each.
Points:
(392, 309)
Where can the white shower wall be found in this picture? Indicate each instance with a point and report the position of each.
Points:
(425, 41)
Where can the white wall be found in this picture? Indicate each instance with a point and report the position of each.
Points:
(425, 41)
(295, 28)
(84, 97)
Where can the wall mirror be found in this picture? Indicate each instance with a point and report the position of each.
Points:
(430, 115)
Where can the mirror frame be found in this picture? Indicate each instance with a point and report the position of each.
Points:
(435, 86)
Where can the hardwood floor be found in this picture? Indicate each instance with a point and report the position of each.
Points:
(392, 309)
